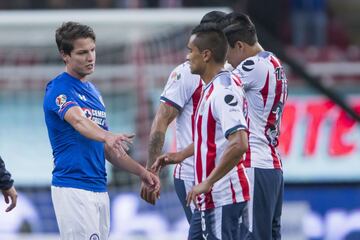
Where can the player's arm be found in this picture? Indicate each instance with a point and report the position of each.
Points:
(7, 188)
(124, 161)
(77, 119)
(173, 158)
(164, 116)
(237, 146)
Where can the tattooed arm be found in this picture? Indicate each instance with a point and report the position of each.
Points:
(164, 116)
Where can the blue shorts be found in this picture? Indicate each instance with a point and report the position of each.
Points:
(182, 188)
(217, 223)
(262, 218)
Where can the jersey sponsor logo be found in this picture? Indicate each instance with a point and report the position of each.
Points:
(230, 100)
(97, 116)
(94, 236)
(87, 112)
(248, 65)
(60, 100)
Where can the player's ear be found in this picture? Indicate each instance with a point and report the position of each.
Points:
(207, 54)
(64, 56)
(239, 45)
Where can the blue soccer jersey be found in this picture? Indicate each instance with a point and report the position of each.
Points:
(79, 162)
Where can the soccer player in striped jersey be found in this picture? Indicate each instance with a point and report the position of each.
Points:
(220, 140)
(179, 101)
(265, 85)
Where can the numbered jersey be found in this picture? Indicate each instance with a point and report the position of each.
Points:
(221, 112)
(265, 86)
(183, 91)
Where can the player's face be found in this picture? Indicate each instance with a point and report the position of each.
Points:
(235, 55)
(195, 57)
(81, 61)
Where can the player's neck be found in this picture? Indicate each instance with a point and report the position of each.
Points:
(75, 75)
(254, 50)
(211, 71)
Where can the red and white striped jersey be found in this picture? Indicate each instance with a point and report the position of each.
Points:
(265, 86)
(220, 113)
(183, 91)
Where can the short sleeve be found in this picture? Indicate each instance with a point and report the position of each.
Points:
(228, 107)
(60, 100)
(180, 87)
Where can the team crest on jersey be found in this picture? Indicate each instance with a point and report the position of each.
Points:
(60, 100)
(175, 76)
(230, 100)
(94, 236)
(248, 65)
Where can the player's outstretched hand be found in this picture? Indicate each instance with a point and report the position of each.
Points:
(10, 196)
(118, 143)
(166, 159)
(125, 140)
(150, 180)
(203, 187)
(148, 195)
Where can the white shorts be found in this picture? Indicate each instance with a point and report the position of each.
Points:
(81, 214)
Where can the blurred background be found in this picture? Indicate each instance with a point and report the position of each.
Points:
(138, 43)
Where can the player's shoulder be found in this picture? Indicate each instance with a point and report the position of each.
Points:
(57, 85)
(183, 73)
(223, 83)
(253, 65)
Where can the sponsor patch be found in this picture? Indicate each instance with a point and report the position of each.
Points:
(230, 100)
(60, 100)
(248, 65)
(94, 236)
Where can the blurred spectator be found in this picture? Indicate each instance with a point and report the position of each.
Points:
(309, 22)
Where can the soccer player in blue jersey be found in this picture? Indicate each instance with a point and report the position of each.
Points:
(76, 121)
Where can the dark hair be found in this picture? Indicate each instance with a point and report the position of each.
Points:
(239, 27)
(213, 16)
(210, 36)
(69, 32)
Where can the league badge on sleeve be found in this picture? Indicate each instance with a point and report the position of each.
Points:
(60, 100)
(175, 76)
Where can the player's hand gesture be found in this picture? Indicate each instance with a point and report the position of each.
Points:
(119, 143)
(148, 195)
(126, 140)
(203, 187)
(10, 195)
(150, 180)
(166, 159)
